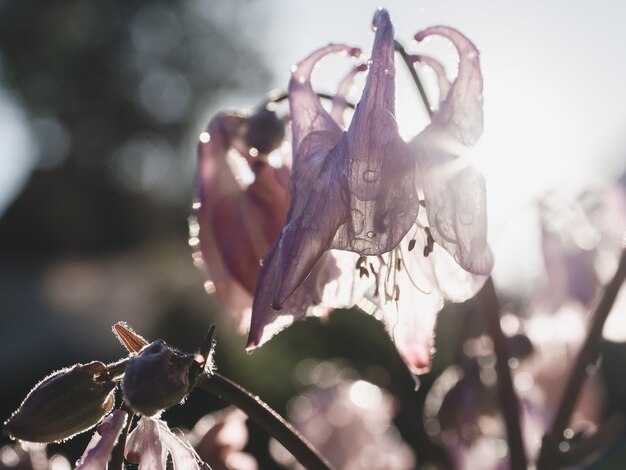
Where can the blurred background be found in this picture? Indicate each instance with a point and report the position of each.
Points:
(101, 104)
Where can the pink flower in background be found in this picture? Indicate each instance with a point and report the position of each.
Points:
(237, 220)
(220, 437)
(349, 421)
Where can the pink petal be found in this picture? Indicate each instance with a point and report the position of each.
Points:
(339, 100)
(382, 200)
(99, 450)
(183, 455)
(236, 224)
(454, 192)
(462, 111)
(144, 445)
(442, 80)
(307, 113)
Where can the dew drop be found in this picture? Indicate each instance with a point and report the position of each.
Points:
(370, 234)
(370, 176)
(205, 137)
(358, 221)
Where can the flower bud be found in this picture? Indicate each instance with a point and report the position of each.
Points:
(157, 378)
(265, 131)
(66, 403)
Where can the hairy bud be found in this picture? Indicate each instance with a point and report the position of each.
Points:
(66, 403)
(157, 378)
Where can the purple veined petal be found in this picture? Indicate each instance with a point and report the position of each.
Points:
(442, 79)
(307, 113)
(99, 450)
(183, 455)
(266, 321)
(339, 103)
(310, 232)
(462, 110)
(358, 195)
(382, 199)
(455, 199)
(144, 445)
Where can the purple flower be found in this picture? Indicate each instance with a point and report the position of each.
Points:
(358, 191)
(237, 221)
(350, 190)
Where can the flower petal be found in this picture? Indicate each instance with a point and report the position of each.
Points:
(99, 450)
(183, 455)
(442, 80)
(383, 204)
(454, 191)
(144, 445)
(462, 111)
(339, 100)
(307, 113)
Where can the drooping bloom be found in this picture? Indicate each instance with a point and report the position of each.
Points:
(238, 220)
(350, 190)
(360, 190)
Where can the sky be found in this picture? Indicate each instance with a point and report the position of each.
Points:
(555, 100)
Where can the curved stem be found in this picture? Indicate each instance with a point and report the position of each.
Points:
(282, 96)
(509, 403)
(418, 83)
(587, 356)
(267, 418)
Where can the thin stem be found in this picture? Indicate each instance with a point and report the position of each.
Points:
(282, 96)
(418, 83)
(488, 301)
(267, 418)
(587, 356)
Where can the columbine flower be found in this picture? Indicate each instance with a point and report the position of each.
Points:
(359, 191)
(238, 220)
(350, 190)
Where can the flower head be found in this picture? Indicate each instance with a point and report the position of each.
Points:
(350, 190)
(237, 221)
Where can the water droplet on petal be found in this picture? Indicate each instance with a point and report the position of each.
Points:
(370, 234)
(370, 176)
(205, 137)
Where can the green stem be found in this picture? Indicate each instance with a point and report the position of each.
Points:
(267, 418)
